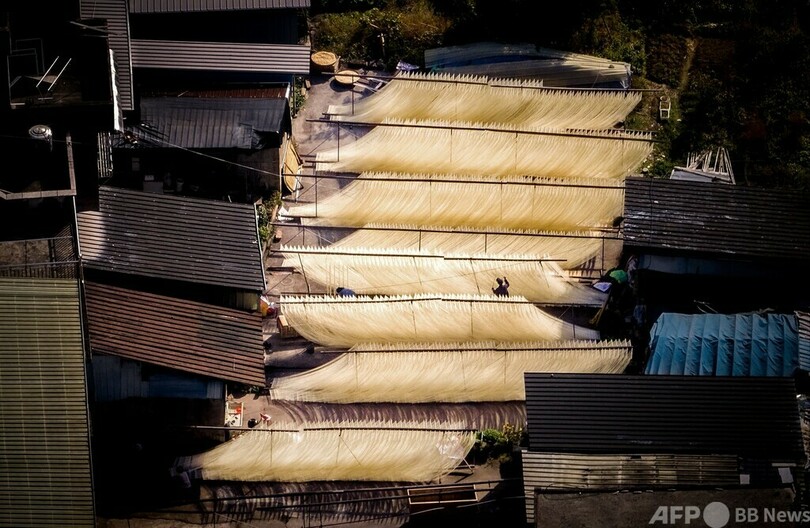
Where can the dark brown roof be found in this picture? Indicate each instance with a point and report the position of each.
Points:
(713, 218)
(203, 339)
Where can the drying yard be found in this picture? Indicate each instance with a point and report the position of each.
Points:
(416, 196)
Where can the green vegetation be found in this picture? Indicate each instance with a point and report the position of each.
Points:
(264, 210)
(736, 72)
(381, 35)
(497, 444)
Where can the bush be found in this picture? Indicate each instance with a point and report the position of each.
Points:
(385, 35)
(666, 55)
(497, 444)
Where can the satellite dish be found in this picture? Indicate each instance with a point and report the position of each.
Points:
(42, 133)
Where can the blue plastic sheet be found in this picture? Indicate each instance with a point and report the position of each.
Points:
(724, 345)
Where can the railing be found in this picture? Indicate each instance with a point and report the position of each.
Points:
(39, 258)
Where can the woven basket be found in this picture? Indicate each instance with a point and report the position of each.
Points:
(324, 61)
(347, 77)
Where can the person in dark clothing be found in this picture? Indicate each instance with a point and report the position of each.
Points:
(503, 287)
(344, 292)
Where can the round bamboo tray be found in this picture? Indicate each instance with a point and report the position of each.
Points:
(324, 60)
(347, 77)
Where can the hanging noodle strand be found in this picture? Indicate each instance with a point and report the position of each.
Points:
(446, 372)
(416, 95)
(344, 322)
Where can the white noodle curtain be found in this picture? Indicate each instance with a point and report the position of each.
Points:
(472, 201)
(394, 272)
(344, 322)
(569, 249)
(446, 372)
(470, 148)
(327, 451)
(421, 96)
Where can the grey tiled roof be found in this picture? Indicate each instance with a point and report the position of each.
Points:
(173, 237)
(194, 122)
(715, 218)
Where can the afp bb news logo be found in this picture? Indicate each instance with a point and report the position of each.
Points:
(718, 515)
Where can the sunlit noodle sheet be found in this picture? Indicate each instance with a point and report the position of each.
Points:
(396, 272)
(446, 372)
(472, 201)
(326, 451)
(469, 148)
(416, 95)
(348, 321)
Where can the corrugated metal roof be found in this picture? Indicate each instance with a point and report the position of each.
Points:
(194, 122)
(188, 6)
(45, 440)
(115, 13)
(716, 219)
(288, 59)
(208, 340)
(724, 345)
(173, 237)
(803, 319)
(592, 413)
(618, 472)
(279, 91)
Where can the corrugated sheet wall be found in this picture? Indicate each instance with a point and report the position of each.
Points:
(45, 446)
(116, 378)
(221, 56)
(804, 340)
(115, 13)
(544, 471)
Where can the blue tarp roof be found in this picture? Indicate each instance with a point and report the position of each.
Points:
(724, 345)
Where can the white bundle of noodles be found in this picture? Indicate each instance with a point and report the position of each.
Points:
(472, 201)
(347, 321)
(471, 148)
(569, 249)
(446, 372)
(393, 272)
(418, 96)
(329, 451)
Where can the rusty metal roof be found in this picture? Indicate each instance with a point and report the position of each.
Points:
(208, 340)
(173, 237)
